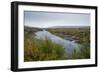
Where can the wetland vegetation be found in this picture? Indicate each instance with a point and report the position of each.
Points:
(43, 49)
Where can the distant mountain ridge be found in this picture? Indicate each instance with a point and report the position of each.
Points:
(70, 27)
(31, 29)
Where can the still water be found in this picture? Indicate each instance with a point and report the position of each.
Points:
(69, 45)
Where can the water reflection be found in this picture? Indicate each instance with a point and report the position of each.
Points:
(69, 45)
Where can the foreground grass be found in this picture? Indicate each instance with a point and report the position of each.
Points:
(41, 50)
(84, 52)
(84, 39)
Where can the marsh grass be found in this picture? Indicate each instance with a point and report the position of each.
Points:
(83, 36)
(43, 49)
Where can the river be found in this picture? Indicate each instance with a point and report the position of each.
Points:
(69, 45)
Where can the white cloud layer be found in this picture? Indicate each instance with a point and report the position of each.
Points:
(50, 19)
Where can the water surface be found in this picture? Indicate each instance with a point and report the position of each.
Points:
(69, 45)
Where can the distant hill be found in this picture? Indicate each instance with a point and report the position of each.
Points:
(31, 30)
(70, 27)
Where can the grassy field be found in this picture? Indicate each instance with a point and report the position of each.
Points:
(45, 49)
(81, 34)
(41, 50)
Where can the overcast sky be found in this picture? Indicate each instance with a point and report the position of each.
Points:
(50, 19)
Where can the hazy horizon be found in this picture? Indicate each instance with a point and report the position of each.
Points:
(52, 19)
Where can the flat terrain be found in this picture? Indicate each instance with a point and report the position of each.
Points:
(41, 50)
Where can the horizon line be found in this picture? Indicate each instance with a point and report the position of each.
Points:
(54, 26)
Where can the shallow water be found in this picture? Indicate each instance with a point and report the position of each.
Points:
(69, 45)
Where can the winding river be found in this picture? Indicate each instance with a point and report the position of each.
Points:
(69, 45)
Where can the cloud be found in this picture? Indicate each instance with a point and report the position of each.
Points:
(48, 19)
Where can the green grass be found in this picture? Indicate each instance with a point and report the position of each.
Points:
(81, 34)
(84, 39)
(41, 50)
(45, 49)
(84, 53)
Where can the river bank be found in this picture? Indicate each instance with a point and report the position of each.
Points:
(42, 45)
